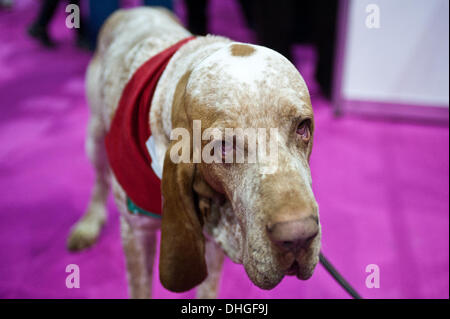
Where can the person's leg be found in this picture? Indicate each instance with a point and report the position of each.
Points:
(274, 23)
(99, 11)
(325, 40)
(168, 4)
(6, 3)
(247, 10)
(47, 12)
(197, 16)
(39, 28)
(82, 40)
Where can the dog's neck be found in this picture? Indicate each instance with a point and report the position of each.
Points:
(184, 60)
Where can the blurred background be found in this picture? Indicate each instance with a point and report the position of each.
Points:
(378, 76)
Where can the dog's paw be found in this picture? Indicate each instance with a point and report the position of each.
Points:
(84, 234)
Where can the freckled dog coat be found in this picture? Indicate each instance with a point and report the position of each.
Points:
(208, 209)
(126, 142)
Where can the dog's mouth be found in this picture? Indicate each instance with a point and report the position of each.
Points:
(293, 269)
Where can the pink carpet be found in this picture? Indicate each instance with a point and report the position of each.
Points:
(382, 186)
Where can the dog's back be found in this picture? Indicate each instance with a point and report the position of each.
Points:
(127, 39)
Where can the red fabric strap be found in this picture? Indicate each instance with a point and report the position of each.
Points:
(130, 129)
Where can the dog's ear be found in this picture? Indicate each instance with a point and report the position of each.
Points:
(182, 263)
(182, 259)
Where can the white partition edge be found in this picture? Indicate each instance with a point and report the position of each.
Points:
(342, 105)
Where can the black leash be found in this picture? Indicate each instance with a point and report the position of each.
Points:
(337, 276)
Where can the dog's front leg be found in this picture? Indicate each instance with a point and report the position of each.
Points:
(139, 245)
(209, 288)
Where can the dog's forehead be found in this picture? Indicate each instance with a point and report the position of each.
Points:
(246, 67)
(243, 62)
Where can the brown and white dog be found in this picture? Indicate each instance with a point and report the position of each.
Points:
(267, 222)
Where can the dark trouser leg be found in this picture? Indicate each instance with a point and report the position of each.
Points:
(274, 24)
(82, 32)
(325, 38)
(99, 12)
(38, 29)
(247, 9)
(168, 4)
(197, 16)
(46, 13)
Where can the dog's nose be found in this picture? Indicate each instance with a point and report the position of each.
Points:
(295, 234)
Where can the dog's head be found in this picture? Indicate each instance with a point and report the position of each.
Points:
(262, 213)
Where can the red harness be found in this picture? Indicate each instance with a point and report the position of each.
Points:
(130, 130)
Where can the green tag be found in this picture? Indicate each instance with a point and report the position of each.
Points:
(136, 210)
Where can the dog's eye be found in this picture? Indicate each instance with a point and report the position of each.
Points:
(303, 130)
(227, 150)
